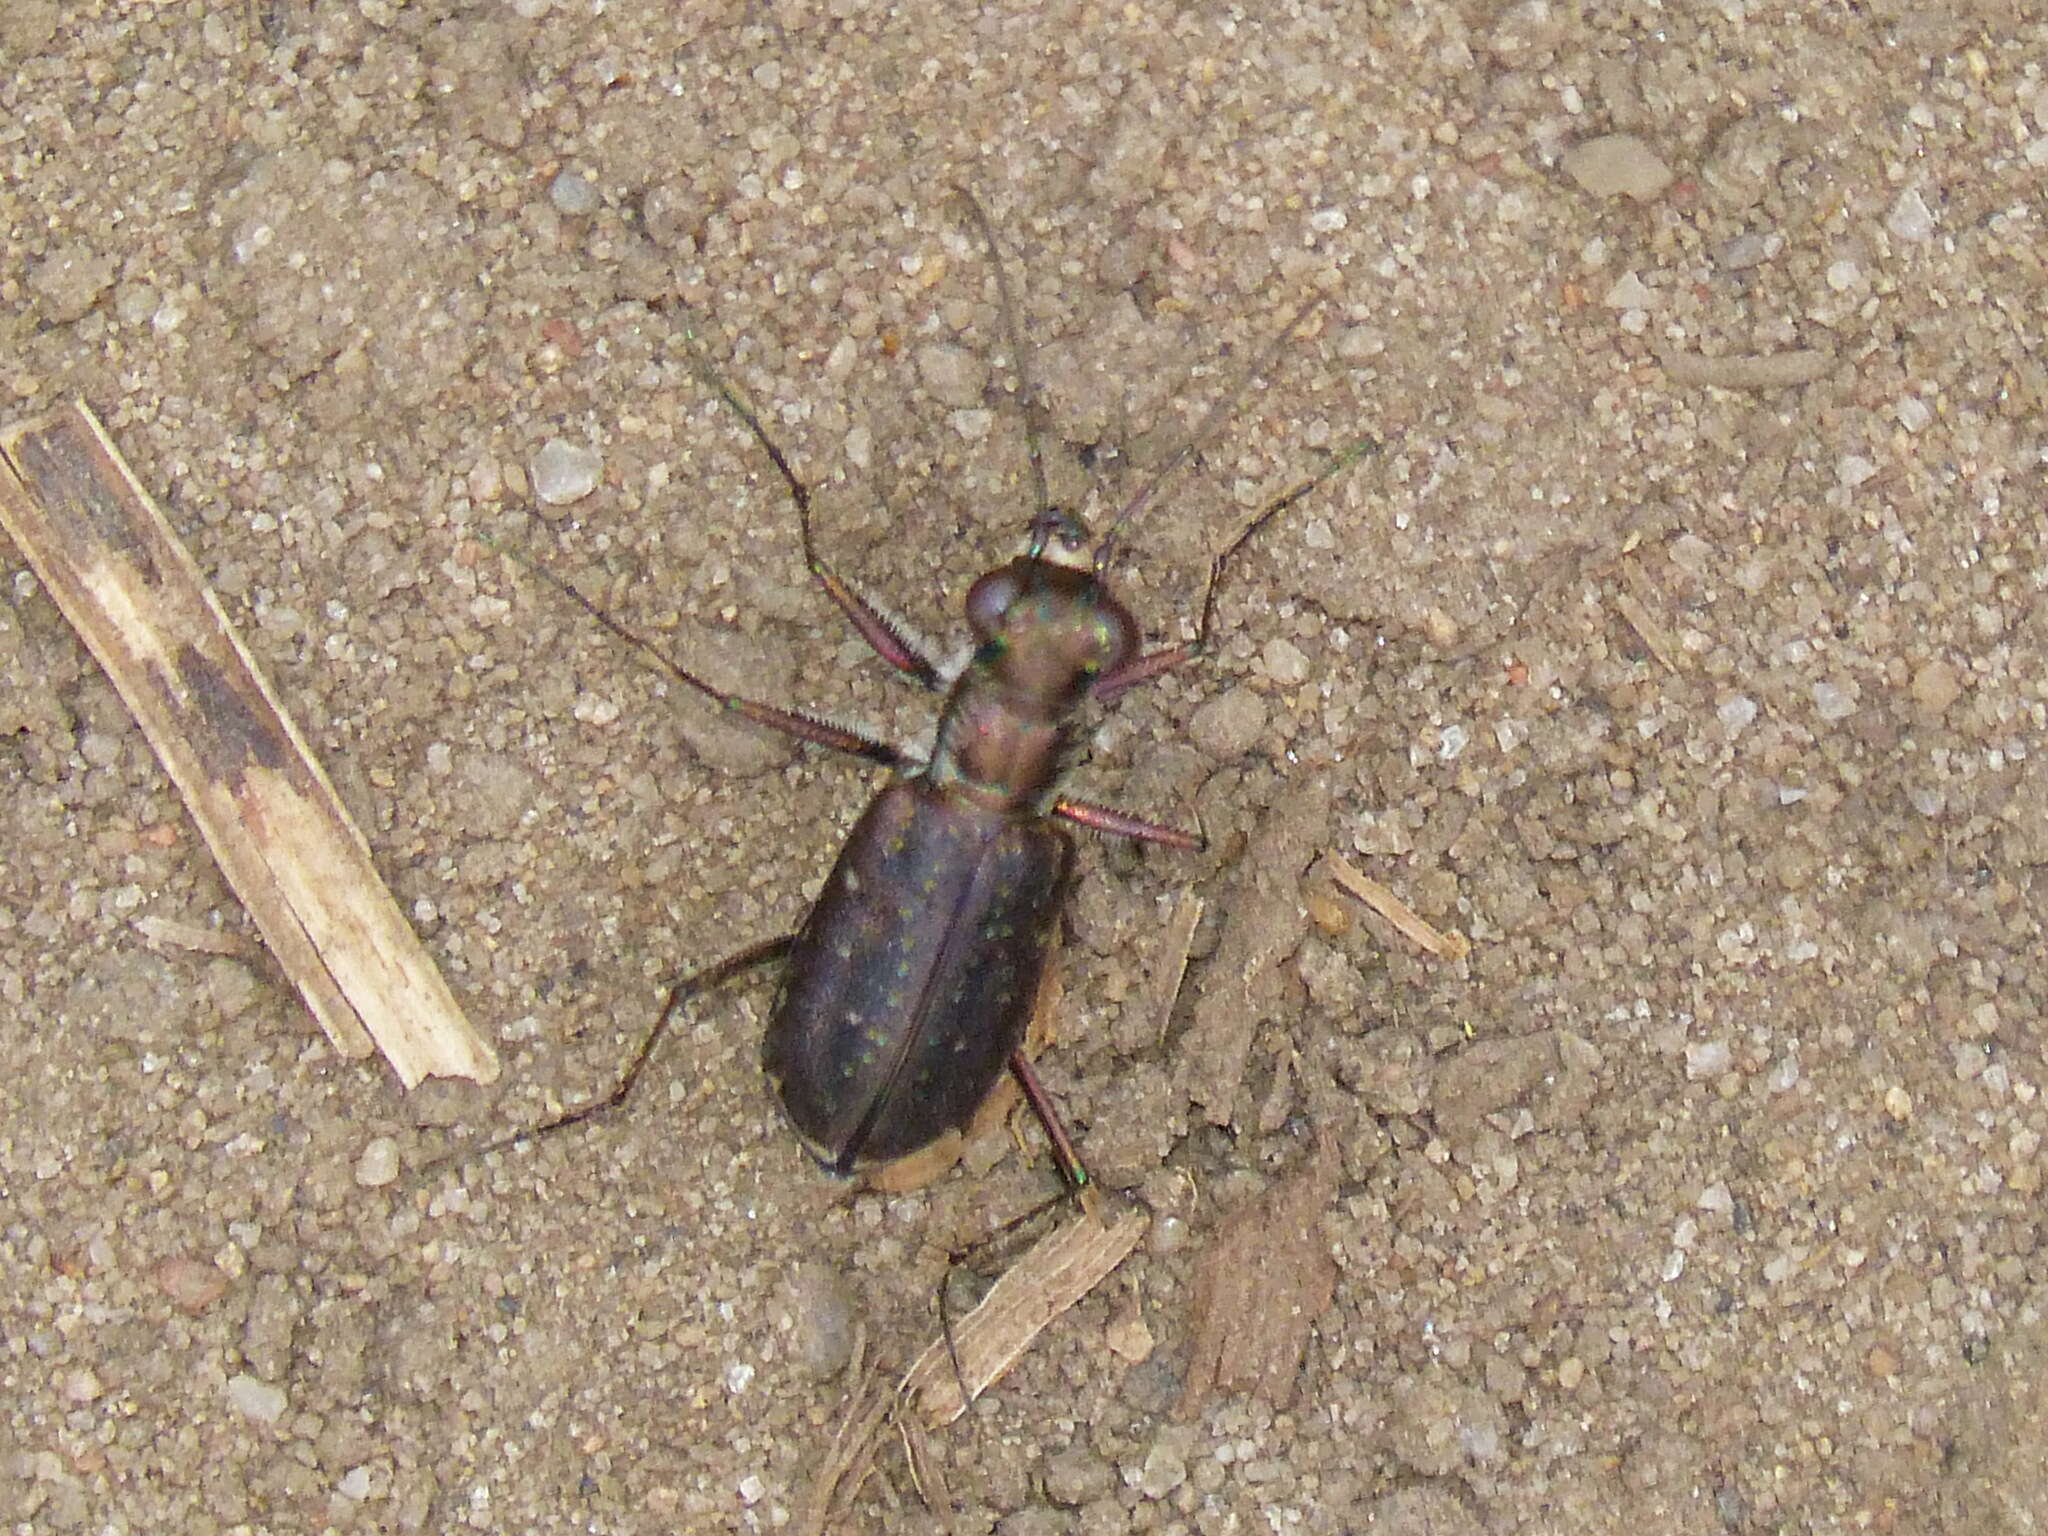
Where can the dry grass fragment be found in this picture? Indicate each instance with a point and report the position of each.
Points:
(1412, 924)
(104, 551)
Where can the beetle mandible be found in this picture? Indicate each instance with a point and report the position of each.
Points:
(908, 987)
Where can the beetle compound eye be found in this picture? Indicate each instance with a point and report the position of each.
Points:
(990, 598)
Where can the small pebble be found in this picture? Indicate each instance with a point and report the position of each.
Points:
(1284, 662)
(1749, 250)
(192, 1284)
(257, 1400)
(1737, 712)
(1853, 470)
(973, 426)
(486, 482)
(1617, 165)
(1077, 1476)
(1629, 292)
(573, 194)
(822, 1309)
(1166, 1466)
(1914, 413)
(1690, 552)
(1935, 686)
(69, 281)
(1129, 1338)
(80, 1386)
(954, 375)
(1910, 218)
(1833, 702)
(378, 1164)
(1708, 1059)
(1229, 726)
(563, 472)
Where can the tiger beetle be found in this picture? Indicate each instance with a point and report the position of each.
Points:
(909, 986)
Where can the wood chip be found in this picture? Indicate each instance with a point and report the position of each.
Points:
(1258, 1291)
(1060, 1268)
(104, 551)
(1415, 927)
(1644, 623)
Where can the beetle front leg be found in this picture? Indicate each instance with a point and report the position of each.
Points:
(1103, 818)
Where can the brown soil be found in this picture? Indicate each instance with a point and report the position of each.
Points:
(1705, 1195)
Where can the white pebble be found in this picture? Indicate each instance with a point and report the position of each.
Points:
(1630, 292)
(257, 1400)
(1737, 712)
(974, 426)
(573, 194)
(1853, 470)
(563, 472)
(1749, 250)
(1910, 218)
(378, 1164)
(1284, 662)
(1833, 702)
(1709, 1059)
(1617, 164)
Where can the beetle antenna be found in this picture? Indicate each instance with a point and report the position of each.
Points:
(1204, 432)
(1020, 362)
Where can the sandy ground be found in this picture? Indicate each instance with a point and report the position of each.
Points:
(1704, 1196)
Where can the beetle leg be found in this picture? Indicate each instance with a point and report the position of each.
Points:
(717, 975)
(1072, 1171)
(790, 722)
(887, 636)
(1103, 818)
(840, 738)
(1144, 668)
(1141, 669)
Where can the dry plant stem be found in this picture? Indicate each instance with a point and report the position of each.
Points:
(103, 550)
